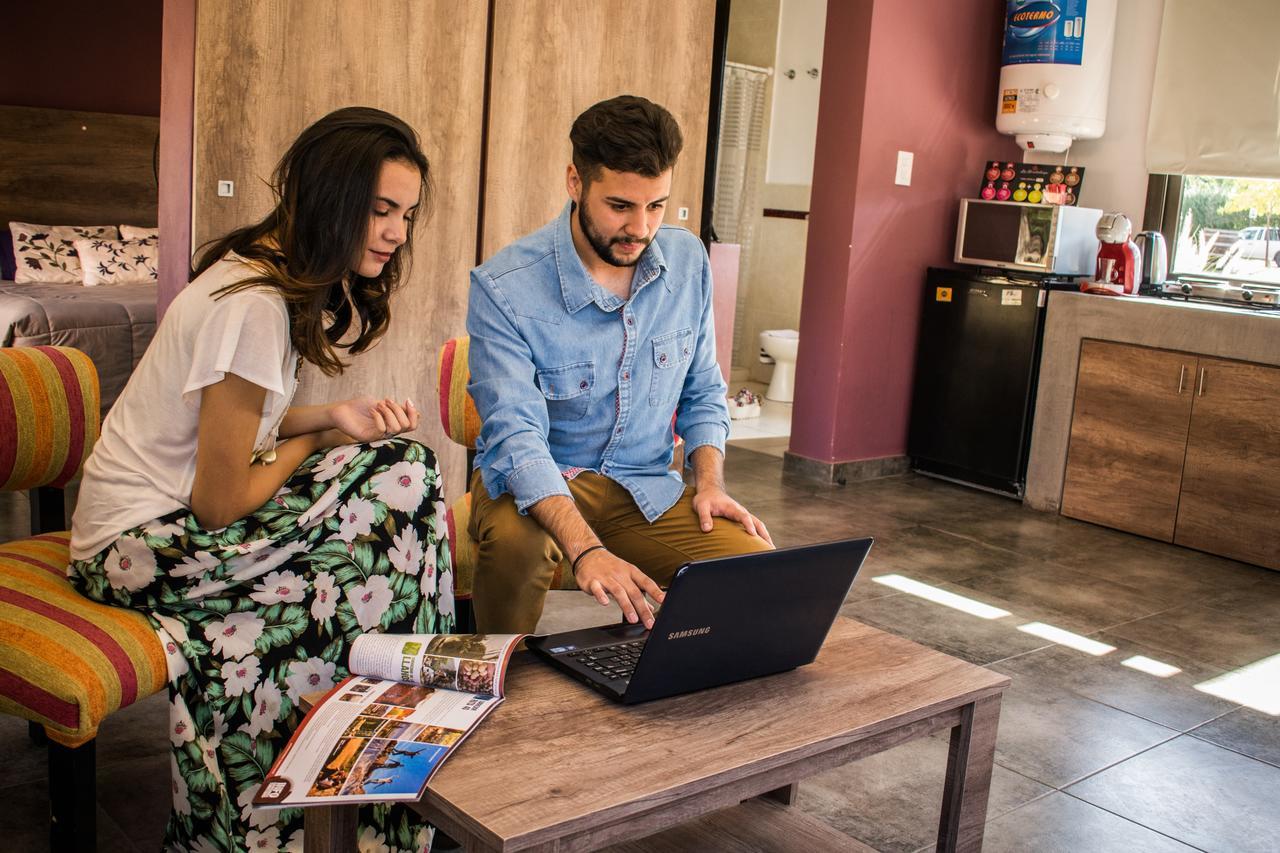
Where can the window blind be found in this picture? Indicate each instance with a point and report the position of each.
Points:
(1215, 106)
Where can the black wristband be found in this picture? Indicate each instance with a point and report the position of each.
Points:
(573, 567)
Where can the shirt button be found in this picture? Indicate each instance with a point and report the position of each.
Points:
(627, 375)
(630, 322)
(662, 359)
(618, 431)
(583, 384)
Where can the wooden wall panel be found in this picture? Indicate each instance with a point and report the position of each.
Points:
(64, 167)
(554, 58)
(266, 70)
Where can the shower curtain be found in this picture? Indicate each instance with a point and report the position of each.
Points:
(738, 169)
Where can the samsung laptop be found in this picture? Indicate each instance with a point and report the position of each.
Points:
(723, 620)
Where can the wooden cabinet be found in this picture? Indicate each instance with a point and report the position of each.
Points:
(1231, 481)
(1128, 438)
(1177, 447)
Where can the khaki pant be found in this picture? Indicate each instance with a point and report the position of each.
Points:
(517, 559)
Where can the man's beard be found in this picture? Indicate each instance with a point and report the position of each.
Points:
(604, 246)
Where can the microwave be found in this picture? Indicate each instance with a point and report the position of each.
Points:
(1049, 239)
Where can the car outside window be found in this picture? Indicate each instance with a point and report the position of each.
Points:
(1228, 227)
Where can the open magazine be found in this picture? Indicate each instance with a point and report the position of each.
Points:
(381, 733)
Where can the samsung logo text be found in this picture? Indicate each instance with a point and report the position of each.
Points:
(689, 632)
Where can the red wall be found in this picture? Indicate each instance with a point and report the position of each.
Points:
(919, 77)
(82, 55)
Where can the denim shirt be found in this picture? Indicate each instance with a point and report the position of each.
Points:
(567, 377)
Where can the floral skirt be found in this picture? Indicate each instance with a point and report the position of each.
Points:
(257, 614)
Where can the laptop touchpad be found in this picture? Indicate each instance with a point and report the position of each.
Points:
(626, 631)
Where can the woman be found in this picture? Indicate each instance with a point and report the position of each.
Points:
(261, 538)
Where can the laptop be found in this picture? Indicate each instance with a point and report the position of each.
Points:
(723, 620)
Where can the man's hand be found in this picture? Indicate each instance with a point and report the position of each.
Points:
(713, 501)
(602, 575)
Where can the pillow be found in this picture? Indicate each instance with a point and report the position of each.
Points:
(137, 232)
(6, 255)
(118, 261)
(47, 253)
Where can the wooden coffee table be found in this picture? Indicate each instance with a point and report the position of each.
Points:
(559, 767)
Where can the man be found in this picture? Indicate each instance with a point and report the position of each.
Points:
(587, 337)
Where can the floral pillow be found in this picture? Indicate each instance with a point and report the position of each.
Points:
(118, 261)
(137, 232)
(47, 253)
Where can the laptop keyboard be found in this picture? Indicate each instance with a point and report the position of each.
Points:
(617, 661)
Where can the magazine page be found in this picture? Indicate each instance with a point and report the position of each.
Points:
(381, 733)
(475, 663)
(371, 739)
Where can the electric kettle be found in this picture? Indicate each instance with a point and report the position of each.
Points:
(1155, 261)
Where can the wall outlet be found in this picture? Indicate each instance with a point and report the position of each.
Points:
(902, 177)
(226, 189)
(682, 213)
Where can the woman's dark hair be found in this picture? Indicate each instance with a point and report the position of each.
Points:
(626, 134)
(324, 187)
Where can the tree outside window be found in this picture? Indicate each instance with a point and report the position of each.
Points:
(1229, 227)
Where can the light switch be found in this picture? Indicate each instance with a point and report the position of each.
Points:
(226, 189)
(902, 177)
(682, 213)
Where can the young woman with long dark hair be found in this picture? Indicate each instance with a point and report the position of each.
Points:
(261, 538)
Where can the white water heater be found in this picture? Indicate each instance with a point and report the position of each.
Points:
(1056, 71)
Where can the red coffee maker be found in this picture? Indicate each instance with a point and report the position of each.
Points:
(1119, 261)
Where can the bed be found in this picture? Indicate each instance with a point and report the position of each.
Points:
(112, 325)
(65, 167)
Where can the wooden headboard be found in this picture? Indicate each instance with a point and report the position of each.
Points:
(63, 167)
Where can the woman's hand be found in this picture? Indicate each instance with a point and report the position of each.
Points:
(367, 419)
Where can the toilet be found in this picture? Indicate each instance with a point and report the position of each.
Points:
(781, 346)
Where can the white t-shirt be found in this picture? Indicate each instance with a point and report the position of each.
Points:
(144, 464)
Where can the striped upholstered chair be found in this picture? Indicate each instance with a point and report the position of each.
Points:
(461, 424)
(65, 662)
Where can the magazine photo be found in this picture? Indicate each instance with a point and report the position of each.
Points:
(381, 733)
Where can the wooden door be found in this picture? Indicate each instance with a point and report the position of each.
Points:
(264, 71)
(552, 59)
(1128, 437)
(1231, 481)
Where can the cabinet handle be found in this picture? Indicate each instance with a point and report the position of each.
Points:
(1182, 379)
(1200, 389)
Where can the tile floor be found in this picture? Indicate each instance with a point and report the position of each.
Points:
(1093, 755)
(767, 433)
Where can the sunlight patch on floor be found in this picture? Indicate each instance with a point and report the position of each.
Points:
(1066, 638)
(941, 596)
(1256, 685)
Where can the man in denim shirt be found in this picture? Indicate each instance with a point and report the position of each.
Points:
(587, 338)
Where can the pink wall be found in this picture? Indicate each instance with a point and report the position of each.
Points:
(177, 118)
(82, 55)
(917, 77)
(725, 259)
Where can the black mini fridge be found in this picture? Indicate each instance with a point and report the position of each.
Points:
(977, 362)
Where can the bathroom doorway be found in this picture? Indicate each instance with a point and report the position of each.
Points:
(764, 171)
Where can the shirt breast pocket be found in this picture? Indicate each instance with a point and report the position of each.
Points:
(567, 390)
(671, 355)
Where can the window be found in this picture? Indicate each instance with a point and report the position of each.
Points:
(1227, 227)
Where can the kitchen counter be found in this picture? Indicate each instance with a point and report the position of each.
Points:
(1216, 330)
